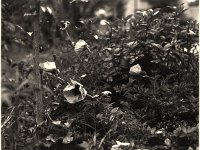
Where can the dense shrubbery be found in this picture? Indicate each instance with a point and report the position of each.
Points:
(154, 106)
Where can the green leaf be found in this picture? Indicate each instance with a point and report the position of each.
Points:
(158, 46)
(156, 11)
(168, 142)
(190, 148)
(114, 110)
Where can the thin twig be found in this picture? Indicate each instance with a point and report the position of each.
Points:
(8, 118)
(102, 140)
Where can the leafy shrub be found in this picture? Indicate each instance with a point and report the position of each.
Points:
(157, 103)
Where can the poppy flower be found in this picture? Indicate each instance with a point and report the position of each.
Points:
(74, 92)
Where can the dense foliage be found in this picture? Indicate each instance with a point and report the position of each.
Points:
(152, 107)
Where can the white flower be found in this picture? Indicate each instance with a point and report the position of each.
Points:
(80, 45)
(48, 66)
(74, 92)
(106, 92)
(136, 69)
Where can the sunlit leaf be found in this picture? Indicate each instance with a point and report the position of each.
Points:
(122, 143)
(157, 46)
(104, 22)
(48, 66)
(29, 33)
(80, 45)
(6, 96)
(85, 145)
(96, 37)
(114, 110)
(190, 148)
(101, 13)
(143, 13)
(168, 142)
(106, 92)
(68, 139)
(159, 132)
(49, 10)
(119, 145)
(156, 11)
(116, 147)
(191, 32)
(136, 69)
(43, 8)
(57, 122)
(153, 130)
(50, 138)
(83, 76)
(68, 123)
(184, 129)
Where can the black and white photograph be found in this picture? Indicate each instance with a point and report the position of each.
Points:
(99, 74)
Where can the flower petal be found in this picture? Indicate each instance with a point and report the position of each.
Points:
(74, 92)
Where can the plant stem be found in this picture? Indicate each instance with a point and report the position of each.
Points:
(38, 92)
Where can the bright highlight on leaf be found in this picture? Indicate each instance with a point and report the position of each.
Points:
(190, 148)
(49, 10)
(101, 13)
(68, 123)
(57, 122)
(83, 76)
(29, 33)
(79, 1)
(67, 139)
(80, 45)
(136, 69)
(66, 24)
(74, 92)
(104, 22)
(96, 37)
(43, 8)
(48, 66)
(167, 142)
(119, 145)
(106, 92)
(159, 132)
